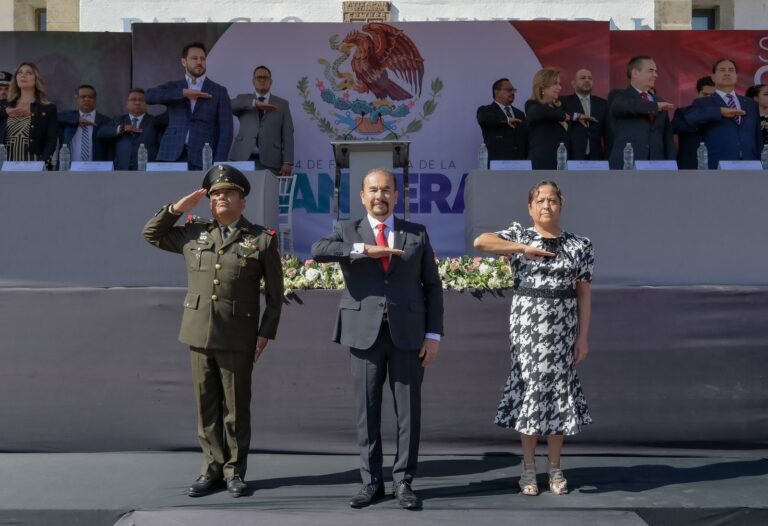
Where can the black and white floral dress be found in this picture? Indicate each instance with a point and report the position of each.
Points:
(543, 395)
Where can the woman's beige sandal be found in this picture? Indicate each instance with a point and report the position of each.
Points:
(528, 485)
(557, 482)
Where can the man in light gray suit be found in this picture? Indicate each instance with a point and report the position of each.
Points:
(391, 317)
(266, 128)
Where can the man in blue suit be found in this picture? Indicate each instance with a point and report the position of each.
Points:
(79, 129)
(131, 130)
(199, 112)
(688, 136)
(729, 123)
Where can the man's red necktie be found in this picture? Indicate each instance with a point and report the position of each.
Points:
(381, 240)
(651, 116)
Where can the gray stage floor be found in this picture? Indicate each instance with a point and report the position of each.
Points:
(98, 488)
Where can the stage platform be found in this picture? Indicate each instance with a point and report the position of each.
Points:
(147, 489)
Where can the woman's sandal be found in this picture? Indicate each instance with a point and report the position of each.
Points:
(557, 482)
(528, 485)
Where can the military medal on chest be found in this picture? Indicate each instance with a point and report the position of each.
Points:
(246, 248)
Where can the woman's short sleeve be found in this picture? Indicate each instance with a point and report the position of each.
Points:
(513, 233)
(586, 262)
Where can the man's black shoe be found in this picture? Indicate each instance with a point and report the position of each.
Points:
(204, 485)
(405, 496)
(367, 495)
(235, 486)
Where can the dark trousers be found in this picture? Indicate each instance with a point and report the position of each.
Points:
(370, 368)
(258, 165)
(184, 158)
(222, 385)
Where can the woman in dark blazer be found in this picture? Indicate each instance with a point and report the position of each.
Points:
(547, 120)
(28, 123)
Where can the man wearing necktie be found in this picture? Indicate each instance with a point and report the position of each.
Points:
(80, 128)
(639, 117)
(391, 318)
(226, 260)
(130, 130)
(587, 138)
(729, 123)
(504, 129)
(266, 127)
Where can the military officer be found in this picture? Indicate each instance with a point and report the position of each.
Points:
(226, 260)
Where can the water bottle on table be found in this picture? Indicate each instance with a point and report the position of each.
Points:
(3, 155)
(65, 158)
(141, 158)
(629, 157)
(207, 157)
(702, 157)
(562, 156)
(764, 157)
(482, 157)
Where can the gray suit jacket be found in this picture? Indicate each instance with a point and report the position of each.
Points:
(274, 132)
(411, 288)
(630, 123)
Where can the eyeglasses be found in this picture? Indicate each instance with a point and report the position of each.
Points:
(260, 77)
(511, 90)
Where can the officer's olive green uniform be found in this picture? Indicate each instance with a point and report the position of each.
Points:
(221, 325)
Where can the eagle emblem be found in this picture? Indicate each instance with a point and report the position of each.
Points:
(372, 86)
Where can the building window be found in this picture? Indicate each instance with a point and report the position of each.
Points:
(704, 19)
(41, 19)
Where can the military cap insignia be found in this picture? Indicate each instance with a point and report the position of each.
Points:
(224, 176)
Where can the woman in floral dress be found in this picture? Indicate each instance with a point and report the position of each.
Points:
(549, 325)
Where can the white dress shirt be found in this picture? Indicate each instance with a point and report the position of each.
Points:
(75, 148)
(194, 85)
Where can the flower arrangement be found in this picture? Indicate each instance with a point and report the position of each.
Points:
(460, 274)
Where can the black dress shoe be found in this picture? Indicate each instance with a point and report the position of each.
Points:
(235, 486)
(367, 495)
(405, 496)
(204, 485)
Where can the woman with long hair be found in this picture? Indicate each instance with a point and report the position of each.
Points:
(28, 120)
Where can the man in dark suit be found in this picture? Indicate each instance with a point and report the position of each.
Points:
(80, 128)
(226, 260)
(688, 136)
(131, 130)
(640, 118)
(729, 123)
(587, 137)
(266, 127)
(391, 317)
(199, 112)
(5, 84)
(503, 126)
